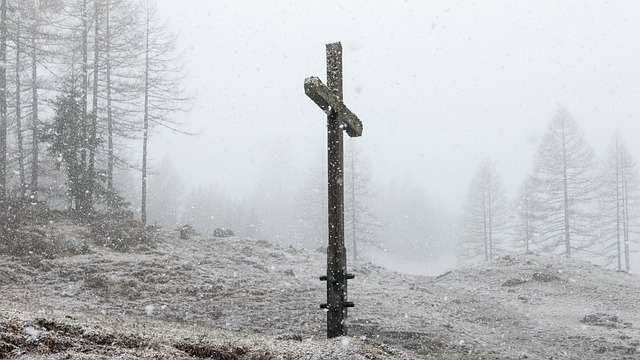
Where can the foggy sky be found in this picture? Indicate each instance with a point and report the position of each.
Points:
(438, 85)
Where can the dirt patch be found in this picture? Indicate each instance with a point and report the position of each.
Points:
(514, 282)
(222, 352)
(545, 277)
(606, 320)
(45, 336)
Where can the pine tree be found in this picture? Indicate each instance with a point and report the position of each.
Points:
(67, 144)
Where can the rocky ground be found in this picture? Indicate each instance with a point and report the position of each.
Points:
(234, 298)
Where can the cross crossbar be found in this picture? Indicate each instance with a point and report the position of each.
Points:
(330, 103)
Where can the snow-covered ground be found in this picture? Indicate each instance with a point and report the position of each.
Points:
(209, 297)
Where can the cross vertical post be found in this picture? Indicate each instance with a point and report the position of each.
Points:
(336, 257)
(339, 117)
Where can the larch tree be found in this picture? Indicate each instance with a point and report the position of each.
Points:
(97, 20)
(16, 38)
(84, 130)
(564, 169)
(34, 54)
(485, 215)
(3, 105)
(121, 89)
(27, 22)
(163, 91)
(620, 205)
(35, 41)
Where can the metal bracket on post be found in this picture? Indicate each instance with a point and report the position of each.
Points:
(339, 279)
(337, 303)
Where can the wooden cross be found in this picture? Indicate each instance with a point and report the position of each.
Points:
(339, 117)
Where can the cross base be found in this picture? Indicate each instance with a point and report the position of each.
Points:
(336, 301)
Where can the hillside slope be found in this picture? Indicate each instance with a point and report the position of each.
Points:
(254, 299)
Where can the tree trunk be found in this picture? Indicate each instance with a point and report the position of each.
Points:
(21, 173)
(3, 106)
(528, 214)
(34, 115)
(80, 206)
(625, 214)
(93, 136)
(484, 219)
(490, 208)
(110, 155)
(145, 134)
(618, 199)
(567, 238)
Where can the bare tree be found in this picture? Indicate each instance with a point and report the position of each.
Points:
(94, 45)
(620, 205)
(121, 94)
(485, 216)
(564, 171)
(36, 41)
(163, 91)
(35, 109)
(3, 105)
(17, 40)
(93, 127)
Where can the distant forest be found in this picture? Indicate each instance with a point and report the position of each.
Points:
(570, 204)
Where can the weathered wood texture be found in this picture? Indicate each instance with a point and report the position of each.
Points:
(339, 117)
(330, 103)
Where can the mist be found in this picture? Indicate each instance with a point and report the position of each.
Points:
(174, 184)
(439, 87)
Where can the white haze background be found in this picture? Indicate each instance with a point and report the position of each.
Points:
(439, 86)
